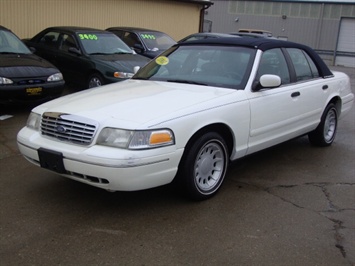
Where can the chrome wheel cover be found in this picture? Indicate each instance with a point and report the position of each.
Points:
(210, 167)
(330, 124)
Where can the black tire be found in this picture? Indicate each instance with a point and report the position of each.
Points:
(95, 80)
(325, 133)
(204, 166)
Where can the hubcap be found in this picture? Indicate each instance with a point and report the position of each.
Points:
(94, 82)
(330, 125)
(209, 167)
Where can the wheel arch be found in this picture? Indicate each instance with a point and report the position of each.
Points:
(224, 130)
(336, 100)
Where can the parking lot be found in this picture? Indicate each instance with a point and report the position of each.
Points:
(292, 204)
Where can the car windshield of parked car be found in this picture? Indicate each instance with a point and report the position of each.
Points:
(220, 66)
(9, 44)
(103, 43)
(156, 41)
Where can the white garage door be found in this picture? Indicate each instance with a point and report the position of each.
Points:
(346, 43)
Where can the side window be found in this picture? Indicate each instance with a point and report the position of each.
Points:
(67, 42)
(273, 62)
(50, 39)
(130, 39)
(313, 66)
(303, 64)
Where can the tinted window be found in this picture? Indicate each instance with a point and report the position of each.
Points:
(9, 43)
(304, 66)
(157, 40)
(50, 39)
(273, 62)
(102, 43)
(67, 42)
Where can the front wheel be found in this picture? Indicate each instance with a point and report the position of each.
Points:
(325, 133)
(204, 166)
(95, 80)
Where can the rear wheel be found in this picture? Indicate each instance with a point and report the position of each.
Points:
(203, 166)
(95, 80)
(325, 133)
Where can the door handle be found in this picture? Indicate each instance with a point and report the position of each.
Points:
(295, 94)
(325, 87)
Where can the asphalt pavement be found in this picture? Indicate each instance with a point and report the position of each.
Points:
(293, 204)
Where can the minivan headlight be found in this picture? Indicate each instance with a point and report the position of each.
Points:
(135, 140)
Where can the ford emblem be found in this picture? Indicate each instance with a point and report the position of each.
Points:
(61, 129)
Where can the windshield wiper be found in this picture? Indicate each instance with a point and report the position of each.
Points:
(100, 53)
(122, 53)
(186, 81)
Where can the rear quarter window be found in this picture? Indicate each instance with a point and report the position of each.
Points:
(304, 66)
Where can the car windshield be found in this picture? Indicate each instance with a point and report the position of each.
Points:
(156, 41)
(220, 66)
(10, 44)
(103, 43)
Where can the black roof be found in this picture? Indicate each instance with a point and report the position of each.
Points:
(136, 29)
(74, 29)
(263, 44)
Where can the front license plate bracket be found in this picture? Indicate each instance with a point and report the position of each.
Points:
(51, 160)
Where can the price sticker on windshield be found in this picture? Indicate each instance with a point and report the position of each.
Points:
(148, 36)
(84, 36)
(162, 60)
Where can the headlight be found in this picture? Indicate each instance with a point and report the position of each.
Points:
(4, 81)
(135, 140)
(55, 77)
(123, 75)
(34, 121)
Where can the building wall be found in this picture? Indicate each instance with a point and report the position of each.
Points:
(28, 17)
(313, 24)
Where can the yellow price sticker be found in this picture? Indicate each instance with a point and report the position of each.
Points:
(162, 60)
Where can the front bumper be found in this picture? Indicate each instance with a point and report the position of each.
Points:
(105, 167)
(31, 93)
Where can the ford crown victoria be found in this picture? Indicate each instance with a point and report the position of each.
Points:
(186, 114)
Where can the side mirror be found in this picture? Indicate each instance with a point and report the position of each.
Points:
(32, 49)
(138, 47)
(74, 51)
(267, 81)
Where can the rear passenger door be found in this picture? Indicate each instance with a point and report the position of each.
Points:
(312, 88)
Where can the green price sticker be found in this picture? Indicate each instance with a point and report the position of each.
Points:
(148, 36)
(84, 36)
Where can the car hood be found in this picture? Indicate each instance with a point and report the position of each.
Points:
(138, 104)
(25, 65)
(123, 62)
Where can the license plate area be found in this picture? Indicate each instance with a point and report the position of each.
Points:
(34, 91)
(51, 160)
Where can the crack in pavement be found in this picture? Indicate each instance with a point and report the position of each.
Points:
(331, 208)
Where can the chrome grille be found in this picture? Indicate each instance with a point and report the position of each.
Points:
(69, 128)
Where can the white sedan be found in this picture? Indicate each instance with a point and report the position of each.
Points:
(187, 114)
